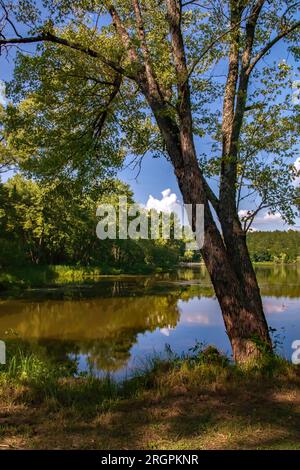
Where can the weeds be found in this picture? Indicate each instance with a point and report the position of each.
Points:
(206, 369)
(200, 400)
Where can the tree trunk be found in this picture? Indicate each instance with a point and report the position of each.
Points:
(232, 276)
(229, 267)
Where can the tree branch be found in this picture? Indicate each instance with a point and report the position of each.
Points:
(249, 219)
(268, 46)
(101, 118)
(49, 37)
(179, 57)
(124, 36)
(6, 16)
(209, 47)
(152, 82)
(244, 77)
(184, 108)
(228, 163)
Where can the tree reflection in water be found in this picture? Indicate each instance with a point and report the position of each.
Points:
(102, 321)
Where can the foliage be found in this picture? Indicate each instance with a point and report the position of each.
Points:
(276, 246)
(77, 116)
(53, 224)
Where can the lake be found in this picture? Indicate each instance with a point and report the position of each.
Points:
(114, 325)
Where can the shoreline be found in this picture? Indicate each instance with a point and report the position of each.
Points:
(201, 403)
(26, 279)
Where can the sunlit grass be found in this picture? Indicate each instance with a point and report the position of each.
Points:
(200, 400)
(205, 369)
(56, 275)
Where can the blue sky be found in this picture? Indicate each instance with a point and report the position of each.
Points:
(156, 175)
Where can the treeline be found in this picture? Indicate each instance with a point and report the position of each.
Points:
(276, 246)
(49, 224)
(55, 224)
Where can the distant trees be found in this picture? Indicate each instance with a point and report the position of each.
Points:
(50, 223)
(53, 224)
(277, 246)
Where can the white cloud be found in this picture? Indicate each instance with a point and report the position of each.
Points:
(271, 306)
(243, 213)
(168, 203)
(264, 221)
(165, 331)
(269, 217)
(201, 319)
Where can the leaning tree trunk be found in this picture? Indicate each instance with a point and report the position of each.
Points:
(235, 240)
(232, 276)
(227, 259)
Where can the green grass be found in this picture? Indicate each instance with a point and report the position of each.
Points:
(28, 277)
(197, 402)
(49, 276)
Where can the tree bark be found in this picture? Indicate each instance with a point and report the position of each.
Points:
(238, 295)
(226, 258)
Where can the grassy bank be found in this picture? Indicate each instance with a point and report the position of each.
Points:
(20, 278)
(49, 276)
(200, 402)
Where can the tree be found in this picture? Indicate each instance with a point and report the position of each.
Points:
(160, 56)
(53, 223)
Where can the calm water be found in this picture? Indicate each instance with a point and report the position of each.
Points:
(112, 326)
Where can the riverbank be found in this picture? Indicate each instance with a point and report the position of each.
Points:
(201, 402)
(35, 277)
(32, 277)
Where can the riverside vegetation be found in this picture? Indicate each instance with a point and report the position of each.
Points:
(197, 400)
(200, 401)
(47, 237)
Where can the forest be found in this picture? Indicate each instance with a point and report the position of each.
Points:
(45, 224)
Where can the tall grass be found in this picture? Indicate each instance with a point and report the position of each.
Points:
(48, 276)
(41, 276)
(204, 370)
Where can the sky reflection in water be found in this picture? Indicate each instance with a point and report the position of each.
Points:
(114, 326)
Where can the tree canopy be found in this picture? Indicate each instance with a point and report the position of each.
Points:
(76, 108)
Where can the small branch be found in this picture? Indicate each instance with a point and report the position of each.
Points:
(49, 37)
(268, 46)
(209, 47)
(221, 36)
(6, 16)
(124, 36)
(101, 118)
(250, 218)
(153, 85)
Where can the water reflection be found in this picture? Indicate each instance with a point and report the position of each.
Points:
(109, 326)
